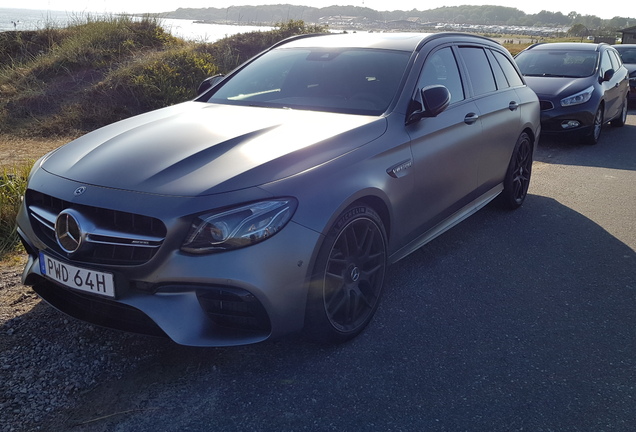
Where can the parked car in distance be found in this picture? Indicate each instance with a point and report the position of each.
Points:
(274, 202)
(581, 86)
(628, 56)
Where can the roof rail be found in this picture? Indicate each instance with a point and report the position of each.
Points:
(296, 37)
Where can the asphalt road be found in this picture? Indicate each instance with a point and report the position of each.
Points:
(511, 321)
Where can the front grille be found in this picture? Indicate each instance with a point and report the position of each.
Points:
(118, 238)
(546, 105)
(234, 308)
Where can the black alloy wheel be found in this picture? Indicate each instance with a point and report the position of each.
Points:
(517, 178)
(348, 277)
(597, 127)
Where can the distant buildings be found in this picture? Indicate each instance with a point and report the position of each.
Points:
(414, 24)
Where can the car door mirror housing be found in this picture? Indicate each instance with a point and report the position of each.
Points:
(608, 75)
(208, 83)
(434, 100)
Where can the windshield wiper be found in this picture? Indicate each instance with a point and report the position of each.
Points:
(552, 75)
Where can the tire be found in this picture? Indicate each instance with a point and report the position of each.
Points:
(597, 127)
(348, 277)
(518, 175)
(622, 118)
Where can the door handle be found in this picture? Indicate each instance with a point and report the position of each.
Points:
(470, 118)
(513, 106)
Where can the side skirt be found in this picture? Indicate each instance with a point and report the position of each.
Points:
(447, 223)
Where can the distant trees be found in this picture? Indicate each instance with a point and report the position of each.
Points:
(579, 30)
(467, 14)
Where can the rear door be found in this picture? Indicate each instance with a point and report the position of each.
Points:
(498, 106)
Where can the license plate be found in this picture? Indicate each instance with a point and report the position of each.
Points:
(77, 277)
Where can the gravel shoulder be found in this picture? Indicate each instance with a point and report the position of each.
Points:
(49, 362)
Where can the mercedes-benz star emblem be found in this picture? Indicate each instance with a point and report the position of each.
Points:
(68, 231)
(80, 190)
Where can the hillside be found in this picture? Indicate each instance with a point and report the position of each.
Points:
(65, 82)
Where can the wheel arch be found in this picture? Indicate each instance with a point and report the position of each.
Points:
(531, 134)
(381, 208)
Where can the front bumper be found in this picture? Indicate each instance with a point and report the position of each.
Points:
(552, 121)
(230, 298)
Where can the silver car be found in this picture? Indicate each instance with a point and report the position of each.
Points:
(274, 202)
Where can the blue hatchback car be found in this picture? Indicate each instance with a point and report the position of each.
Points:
(581, 87)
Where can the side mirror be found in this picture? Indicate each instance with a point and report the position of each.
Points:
(435, 99)
(608, 75)
(208, 83)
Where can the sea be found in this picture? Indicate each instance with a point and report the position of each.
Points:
(32, 19)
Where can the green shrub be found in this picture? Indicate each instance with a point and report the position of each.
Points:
(167, 78)
(231, 51)
(12, 188)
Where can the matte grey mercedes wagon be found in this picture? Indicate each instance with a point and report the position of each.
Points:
(274, 202)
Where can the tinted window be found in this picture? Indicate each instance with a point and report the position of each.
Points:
(606, 63)
(481, 76)
(441, 68)
(356, 81)
(616, 60)
(500, 77)
(511, 72)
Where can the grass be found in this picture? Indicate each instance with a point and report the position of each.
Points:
(12, 187)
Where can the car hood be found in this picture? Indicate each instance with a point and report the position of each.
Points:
(557, 87)
(197, 148)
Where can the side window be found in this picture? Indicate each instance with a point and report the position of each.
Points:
(606, 63)
(616, 60)
(481, 76)
(511, 72)
(441, 68)
(500, 77)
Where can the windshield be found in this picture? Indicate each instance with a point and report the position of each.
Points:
(569, 64)
(628, 54)
(355, 81)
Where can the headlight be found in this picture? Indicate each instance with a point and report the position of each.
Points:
(578, 98)
(238, 227)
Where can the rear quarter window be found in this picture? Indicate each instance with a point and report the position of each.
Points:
(509, 69)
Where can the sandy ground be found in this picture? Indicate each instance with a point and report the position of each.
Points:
(17, 151)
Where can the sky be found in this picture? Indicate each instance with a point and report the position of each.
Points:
(137, 6)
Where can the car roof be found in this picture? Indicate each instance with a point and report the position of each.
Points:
(569, 46)
(393, 41)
